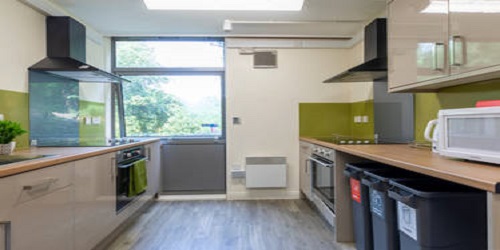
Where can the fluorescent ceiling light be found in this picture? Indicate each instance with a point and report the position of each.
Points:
(261, 5)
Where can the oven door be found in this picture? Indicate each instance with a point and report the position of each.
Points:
(123, 183)
(322, 179)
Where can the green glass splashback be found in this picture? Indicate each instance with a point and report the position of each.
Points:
(465, 96)
(92, 133)
(14, 106)
(326, 119)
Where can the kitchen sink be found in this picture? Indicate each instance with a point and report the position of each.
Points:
(7, 159)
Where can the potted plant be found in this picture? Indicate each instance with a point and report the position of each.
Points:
(8, 131)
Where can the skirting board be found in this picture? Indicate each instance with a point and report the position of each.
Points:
(285, 195)
(194, 197)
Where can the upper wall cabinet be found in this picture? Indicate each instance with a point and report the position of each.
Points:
(440, 43)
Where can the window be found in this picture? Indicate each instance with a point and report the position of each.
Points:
(175, 88)
(169, 54)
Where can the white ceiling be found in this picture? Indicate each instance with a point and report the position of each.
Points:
(321, 18)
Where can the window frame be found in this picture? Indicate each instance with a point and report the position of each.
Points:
(172, 71)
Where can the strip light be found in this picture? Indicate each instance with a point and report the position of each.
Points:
(260, 5)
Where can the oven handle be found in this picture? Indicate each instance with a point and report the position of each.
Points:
(324, 164)
(132, 163)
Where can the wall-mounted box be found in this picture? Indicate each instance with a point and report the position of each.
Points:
(266, 172)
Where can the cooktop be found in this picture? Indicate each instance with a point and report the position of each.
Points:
(76, 142)
(346, 140)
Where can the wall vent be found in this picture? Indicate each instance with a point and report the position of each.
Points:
(265, 59)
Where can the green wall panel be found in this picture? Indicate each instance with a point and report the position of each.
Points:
(326, 119)
(465, 96)
(14, 106)
(92, 134)
(362, 130)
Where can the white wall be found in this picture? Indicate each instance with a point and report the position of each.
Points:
(21, 45)
(360, 91)
(267, 102)
(96, 48)
(24, 43)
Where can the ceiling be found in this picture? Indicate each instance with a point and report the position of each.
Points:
(318, 18)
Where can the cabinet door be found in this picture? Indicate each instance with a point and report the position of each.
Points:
(153, 163)
(7, 187)
(417, 40)
(95, 200)
(474, 41)
(42, 215)
(305, 169)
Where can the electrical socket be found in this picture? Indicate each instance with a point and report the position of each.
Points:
(364, 119)
(357, 119)
(238, 173)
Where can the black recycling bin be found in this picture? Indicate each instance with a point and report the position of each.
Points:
(436, 214)
(383, 208)
(361, 202)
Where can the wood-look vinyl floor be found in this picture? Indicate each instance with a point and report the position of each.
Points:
(228, 225)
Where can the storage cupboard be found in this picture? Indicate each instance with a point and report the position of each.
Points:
(36, 209)
(435, 44)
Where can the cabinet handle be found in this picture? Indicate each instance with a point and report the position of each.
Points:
(435, 58)
(7, 234)
(113, 167)
(307, 166)
(148, 150)
(453, 46)
(43, 185)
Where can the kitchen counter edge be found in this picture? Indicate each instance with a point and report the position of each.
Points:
(61, 155)
(482, 176)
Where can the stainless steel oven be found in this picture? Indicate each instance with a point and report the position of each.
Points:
(125, 159)
(323, 174)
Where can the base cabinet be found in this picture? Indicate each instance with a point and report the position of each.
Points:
(68, 206)
(153, 166)
(39, 209)
(305, 169)
(95, 200)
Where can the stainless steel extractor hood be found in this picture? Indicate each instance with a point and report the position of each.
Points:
(375, 65)
(66, 53)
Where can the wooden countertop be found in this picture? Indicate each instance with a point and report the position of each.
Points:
(60, 155)
(481, 176)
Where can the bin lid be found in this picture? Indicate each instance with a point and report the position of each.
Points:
(434, 188)
(355, 170)
(394, 174)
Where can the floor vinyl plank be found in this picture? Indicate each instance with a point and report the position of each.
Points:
(228, 225)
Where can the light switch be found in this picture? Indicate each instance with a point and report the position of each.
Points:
(1, 117)
(87, 120)
(357, 119)
(236, 120)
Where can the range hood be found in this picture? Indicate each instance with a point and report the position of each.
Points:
(66, 53)
(375, 65)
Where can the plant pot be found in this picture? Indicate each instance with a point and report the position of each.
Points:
(7, 149)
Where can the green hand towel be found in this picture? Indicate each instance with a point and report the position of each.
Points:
(138, 178)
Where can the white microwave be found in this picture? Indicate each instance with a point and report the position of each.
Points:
(470, 133)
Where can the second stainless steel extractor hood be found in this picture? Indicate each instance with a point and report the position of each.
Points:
(66, 53)
(375, 65)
